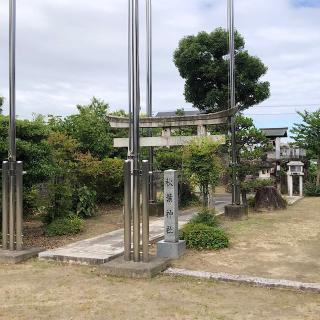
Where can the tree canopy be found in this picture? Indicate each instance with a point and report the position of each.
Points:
(307, 136)
(202, 61)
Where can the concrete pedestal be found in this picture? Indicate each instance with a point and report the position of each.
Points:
(235, 211)
(172, 250)
(129, 269)
(14, 257)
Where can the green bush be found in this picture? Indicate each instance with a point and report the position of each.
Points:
(104, 176)
(86, 202)
(203, 237)
(64, 226)
(61, 198)
(251, 202)
(311, 190)
(206, 217)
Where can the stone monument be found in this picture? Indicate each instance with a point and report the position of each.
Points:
(171, 246)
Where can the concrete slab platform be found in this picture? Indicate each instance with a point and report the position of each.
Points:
(129, 269)
(14, 257)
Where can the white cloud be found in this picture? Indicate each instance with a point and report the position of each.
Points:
(69, 51)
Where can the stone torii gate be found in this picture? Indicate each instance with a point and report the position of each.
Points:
(169, 123)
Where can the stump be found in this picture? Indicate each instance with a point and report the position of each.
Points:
(269, 198)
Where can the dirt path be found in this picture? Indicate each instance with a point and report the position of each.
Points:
(282, 244)
(39, 290)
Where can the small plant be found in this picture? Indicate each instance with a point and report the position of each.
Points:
(64, 226)
(206, 217)
(86, 202)
(251, 202)
(203, 237)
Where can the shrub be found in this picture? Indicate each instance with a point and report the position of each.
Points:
(103, 176)
(187, 195)
(251, 202)
(206, 217)
(203, 237)
(86, 202)
(312, 190)
(61, 198)
(64, 226)
(255, 184)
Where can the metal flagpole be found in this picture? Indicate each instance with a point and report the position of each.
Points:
(12, 122)
(235, 191)
(135, 132)
(12, 81)
(149, 86)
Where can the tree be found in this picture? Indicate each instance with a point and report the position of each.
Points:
(252, 146)
(89, 127)
(202, 163)
(307, 136)
(202, 61)
(1, 104)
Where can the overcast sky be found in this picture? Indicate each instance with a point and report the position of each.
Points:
(71, 50)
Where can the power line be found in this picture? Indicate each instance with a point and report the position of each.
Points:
(271, 114)
(302, 105)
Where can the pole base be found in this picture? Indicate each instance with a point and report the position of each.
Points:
(14, 257)
(234, 211)
(129, 269)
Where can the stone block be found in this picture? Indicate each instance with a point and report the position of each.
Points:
(172, 250)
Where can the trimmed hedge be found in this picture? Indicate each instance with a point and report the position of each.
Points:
(203, 237)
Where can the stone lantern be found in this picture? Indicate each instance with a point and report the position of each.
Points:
(295, 168)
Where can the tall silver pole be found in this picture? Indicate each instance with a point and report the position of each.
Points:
(235, 195)
(12, 80)
(127, 210)
(12, 122)
(145, 210)
(135, 132)
(5, 213)
(149, 85)
(130, 74)
(19, 204)
(149, 56)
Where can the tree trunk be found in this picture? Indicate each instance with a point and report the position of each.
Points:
(205, 197)
(318, 173)
(244, 197)
(268, 198)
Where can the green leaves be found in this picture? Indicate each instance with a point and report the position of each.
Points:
(202, 164)
(307, 136)
(202, 62)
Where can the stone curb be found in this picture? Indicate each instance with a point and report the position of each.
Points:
(254, 281)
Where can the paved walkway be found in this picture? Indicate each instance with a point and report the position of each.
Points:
(107, 246)
(110, 245)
